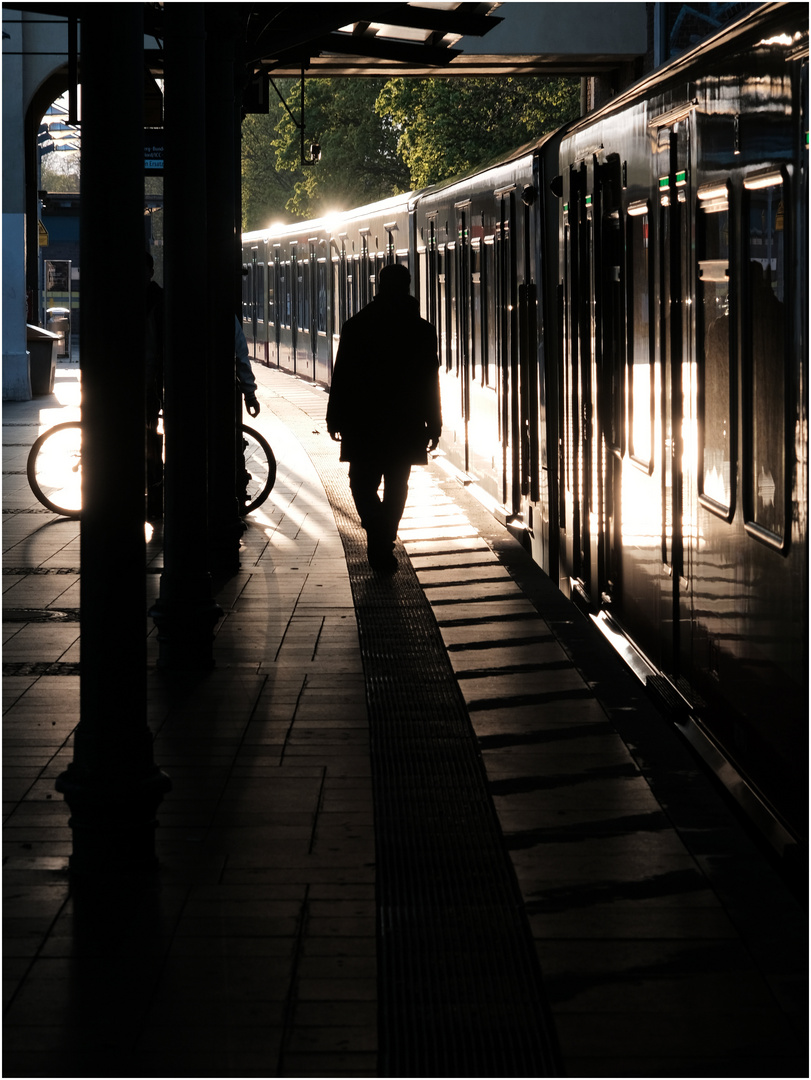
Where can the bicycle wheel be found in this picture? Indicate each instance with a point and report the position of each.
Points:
(55, 469)
(260, 470)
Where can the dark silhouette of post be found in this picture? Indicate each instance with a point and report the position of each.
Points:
(112, 786)
(185, 613)
(223, 22)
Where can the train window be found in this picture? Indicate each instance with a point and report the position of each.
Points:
(764, 340)
(377, 265)
(321, 286)
(488, 312)
(302, 294)
(277, 287)
(247, 314)
(440, 319)
(259, 283)
(392, 230)
(288, 269)
(335, 270)
(432, 274)
(345, 286)
(450, 306)
(713, 321)
(352, 295)
(364, 284)
(640, 340)
(271, 295)
(476, 313)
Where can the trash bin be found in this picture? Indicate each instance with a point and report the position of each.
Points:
(59, 323)
(42, 346)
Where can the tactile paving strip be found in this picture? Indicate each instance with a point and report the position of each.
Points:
(460, 991)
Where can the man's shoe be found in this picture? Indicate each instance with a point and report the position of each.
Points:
(382, 558)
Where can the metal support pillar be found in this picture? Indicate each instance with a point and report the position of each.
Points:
(224, 263)
(185, 613)
(112, 786)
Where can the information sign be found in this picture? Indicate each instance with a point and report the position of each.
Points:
(153, 152)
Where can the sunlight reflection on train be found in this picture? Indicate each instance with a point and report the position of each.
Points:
(483, 439)
(642, 523)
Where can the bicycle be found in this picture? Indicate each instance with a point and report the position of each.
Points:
(54, 469)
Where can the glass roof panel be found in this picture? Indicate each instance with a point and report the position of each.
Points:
(400, 33)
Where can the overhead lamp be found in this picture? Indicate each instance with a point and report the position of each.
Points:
(315, 148)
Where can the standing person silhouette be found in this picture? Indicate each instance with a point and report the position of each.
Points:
(154, 391)
(245, 376)
(384, 406)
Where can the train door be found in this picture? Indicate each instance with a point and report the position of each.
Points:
(312, 305)
(259, 307)
(528, 366)
(676, 390)
(462, 255)
(506, 339)
(364, 273)
(609, 346)
(294, 303)
(278, 311)
(529, 369)
(303, 350)
(442, 307)
(247, 275)
(252, 333)
(321, 335)
(432, 275)
(579, 380)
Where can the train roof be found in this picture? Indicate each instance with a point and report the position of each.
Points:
(748, 25)
(526, 150)
(328, 222)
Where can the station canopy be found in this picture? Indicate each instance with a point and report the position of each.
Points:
(371, 39)
(428, 37)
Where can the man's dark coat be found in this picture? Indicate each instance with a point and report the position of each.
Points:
(384, 397)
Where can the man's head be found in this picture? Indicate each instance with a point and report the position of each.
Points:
(394, 280)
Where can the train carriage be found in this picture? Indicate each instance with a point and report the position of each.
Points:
(488, 292)
(471, 270)
(683, 415)
(303, 281)
(622, 321)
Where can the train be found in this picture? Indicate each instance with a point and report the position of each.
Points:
(622, 317)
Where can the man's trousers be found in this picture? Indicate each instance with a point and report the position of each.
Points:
(379, 517)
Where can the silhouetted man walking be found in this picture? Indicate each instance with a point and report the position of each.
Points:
(384, 406)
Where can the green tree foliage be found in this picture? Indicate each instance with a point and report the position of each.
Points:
(359, 161)
(448, 126)
(382, 137)
(266, 190)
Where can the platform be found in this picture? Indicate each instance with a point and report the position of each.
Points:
(420, 825)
